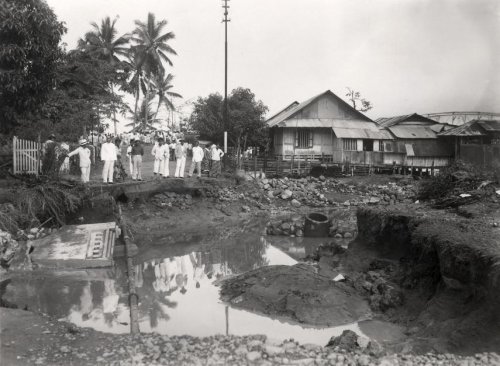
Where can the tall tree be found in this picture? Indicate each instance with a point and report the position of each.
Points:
(246, 115)
(162, 85)
(152, 48)
(29, 52)
(136, 83)
(102, 42)
(358, 103)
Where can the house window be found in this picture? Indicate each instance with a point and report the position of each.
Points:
(303, 139)
(350, 144)
(381, 145)
(367, 145)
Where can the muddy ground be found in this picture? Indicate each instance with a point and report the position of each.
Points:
(439, 313)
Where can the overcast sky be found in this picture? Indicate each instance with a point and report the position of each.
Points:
(403, 55)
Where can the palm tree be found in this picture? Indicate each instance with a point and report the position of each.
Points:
(137, 82)
(152, 46)
(103, 43)
(143, 125)
(162, 85)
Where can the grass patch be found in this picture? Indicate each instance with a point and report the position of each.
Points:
(47, 200)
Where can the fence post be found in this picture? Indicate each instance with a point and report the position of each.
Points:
(38, 155)
(255, 166)
(265, 164)
(292, 164)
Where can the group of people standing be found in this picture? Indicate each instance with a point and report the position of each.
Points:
(207, 159)
(110, 153)
(161, 154)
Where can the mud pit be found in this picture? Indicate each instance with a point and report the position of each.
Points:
(407, 298)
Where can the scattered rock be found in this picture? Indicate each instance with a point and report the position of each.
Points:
(347, 341)
(253, 356)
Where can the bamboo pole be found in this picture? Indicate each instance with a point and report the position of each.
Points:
(133, 297)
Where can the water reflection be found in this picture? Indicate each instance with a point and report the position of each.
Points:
(300, 247)
(177, 294)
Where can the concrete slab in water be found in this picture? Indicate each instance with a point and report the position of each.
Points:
(76, 246)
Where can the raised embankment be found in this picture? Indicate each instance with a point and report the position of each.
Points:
(451, 264)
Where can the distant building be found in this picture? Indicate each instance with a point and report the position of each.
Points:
(476, 142)
(416, 142)
(460, 118)
(325, 125)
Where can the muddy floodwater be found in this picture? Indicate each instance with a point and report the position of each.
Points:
(178, 292)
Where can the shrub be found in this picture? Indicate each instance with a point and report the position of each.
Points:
(458, 178)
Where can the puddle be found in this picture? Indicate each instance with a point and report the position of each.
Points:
(176, 291)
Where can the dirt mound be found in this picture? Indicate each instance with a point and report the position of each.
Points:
(295, 293)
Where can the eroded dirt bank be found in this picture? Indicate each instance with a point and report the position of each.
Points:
(445, 266)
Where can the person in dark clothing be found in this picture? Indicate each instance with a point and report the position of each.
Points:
(137, 153)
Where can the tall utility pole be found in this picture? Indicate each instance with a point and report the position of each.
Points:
(225, 21)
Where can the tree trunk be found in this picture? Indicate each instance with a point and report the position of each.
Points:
(114, 111)
(135, 108)
(158, 107)
(238, 153)
(146, 104)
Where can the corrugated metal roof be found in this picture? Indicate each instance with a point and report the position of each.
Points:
(343, 128)
(361, 133)
(327, 123)
(413, 132)
(271, 119)
(491, 126)
(467, 129)
(287, 113)
(392, 121)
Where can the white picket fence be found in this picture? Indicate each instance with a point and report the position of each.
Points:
(27, 156)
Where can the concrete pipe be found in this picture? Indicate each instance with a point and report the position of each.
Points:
(316, 226)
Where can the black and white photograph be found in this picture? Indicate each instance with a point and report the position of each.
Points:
(250, 182)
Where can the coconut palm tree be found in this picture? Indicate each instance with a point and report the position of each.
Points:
(137, 83)
(141, 124)
(162, 85)
(103, 43)
(152, 46)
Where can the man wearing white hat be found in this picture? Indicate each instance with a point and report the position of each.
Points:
(84, 155)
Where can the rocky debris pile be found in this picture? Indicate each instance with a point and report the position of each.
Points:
(314, 192)
(14, 248)
(226, 194)
(293, 226)
(309, 191)
(35, 233)
(8, 248)
(383, 294)
(350, 341)
(172, 199)
(340, 227)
